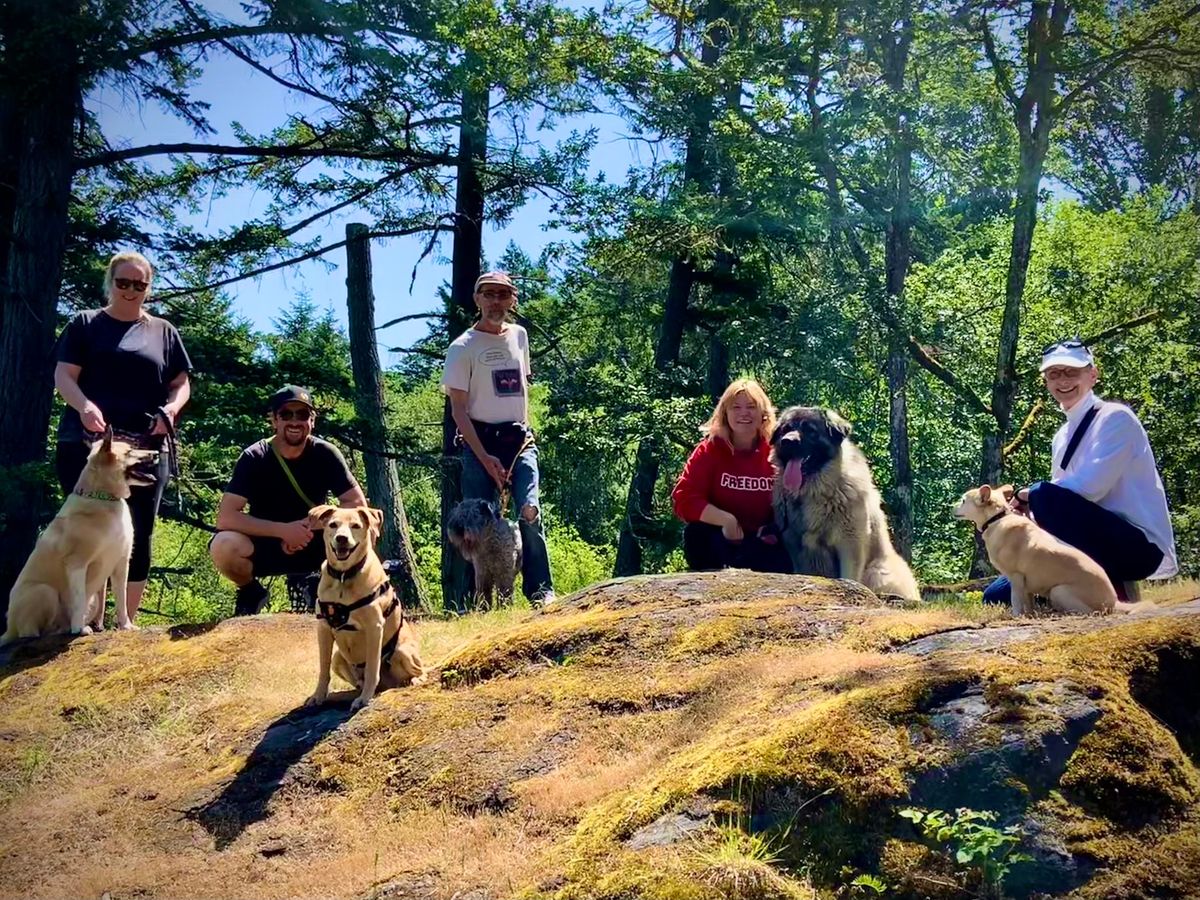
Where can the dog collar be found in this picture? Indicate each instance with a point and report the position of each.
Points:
(999, 515)
(343, 574)
(96, 495)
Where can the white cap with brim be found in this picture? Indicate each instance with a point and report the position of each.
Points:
(1072, 354)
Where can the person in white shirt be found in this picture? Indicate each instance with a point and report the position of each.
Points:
(486, 377)
(1104, 495)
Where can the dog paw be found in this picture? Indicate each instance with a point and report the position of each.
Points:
(128, 626)
(359, 703)
(420, 679)
(315, 700)
(86, 629)
(97, 627)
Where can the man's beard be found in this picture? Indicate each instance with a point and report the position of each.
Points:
(294, 441)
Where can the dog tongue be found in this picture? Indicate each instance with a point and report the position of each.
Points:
(793, 475)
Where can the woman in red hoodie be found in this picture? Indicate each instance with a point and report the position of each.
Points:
(724, 492)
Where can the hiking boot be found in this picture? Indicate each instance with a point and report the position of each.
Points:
(251, 598)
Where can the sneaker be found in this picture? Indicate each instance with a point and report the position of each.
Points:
(543, 600)
(251, 598)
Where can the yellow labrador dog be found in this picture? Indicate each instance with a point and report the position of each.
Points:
(86, 544)
(1035, 561)
(358, 609)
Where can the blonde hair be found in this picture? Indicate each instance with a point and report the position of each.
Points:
(126, 256)
(718, 424)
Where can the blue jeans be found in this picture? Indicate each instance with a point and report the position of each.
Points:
(1121, 549)
(478, 484)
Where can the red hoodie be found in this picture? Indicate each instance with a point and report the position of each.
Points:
(737, 481)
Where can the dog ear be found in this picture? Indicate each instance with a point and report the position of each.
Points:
(838, 428)
(372, 518)
(985, 493)
(1006, 491)
(484, 507)
(106, 446)
(322, 513)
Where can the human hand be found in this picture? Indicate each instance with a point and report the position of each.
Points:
(732, 530)
(92, 418)
(1020, 502)
(767, 534)
(496, 469)
(295, 535)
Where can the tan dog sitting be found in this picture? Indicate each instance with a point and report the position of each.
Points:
(358, 609)
(61, 588)
(1035, 561)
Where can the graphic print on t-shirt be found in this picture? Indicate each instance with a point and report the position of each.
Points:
(747, 482)
(506, 382)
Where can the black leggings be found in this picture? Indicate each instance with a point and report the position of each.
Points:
(69, 460)
(706, 550)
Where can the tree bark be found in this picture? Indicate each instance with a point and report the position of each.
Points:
(457, 579)
(37, 118)
(383, 483)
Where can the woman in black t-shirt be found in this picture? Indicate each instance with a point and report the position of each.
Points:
(123, 367)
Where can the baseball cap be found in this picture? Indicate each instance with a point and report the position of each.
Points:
(1072, 353)
(291, 393)
(500, 278)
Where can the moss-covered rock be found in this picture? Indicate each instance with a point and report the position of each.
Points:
(704, 735)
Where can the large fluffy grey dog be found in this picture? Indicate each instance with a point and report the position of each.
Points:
(490, 543)
(828, 508)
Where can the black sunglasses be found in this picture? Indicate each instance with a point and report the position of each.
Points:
(124, 284)
(300, 415)
(1073, 344)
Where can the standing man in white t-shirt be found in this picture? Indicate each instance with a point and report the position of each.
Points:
(487, 378)
(1104, 495)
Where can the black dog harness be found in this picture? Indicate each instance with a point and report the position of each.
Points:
(338, 614)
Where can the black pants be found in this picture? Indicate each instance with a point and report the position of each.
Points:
(1122, 550)
(706, 550)
(69, 460)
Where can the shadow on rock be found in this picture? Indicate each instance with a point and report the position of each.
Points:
(190, 630)
(244, 800)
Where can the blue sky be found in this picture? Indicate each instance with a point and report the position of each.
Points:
(239, 94)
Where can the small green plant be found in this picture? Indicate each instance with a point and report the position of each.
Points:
(975, 840)
(868, 886)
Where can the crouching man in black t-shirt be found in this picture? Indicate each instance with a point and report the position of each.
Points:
(281, 478)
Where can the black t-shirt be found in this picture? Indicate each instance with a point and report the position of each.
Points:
(320, 471)
(126, 368)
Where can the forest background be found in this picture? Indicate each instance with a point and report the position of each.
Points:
(883, 207)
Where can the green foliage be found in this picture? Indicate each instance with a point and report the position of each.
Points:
(974, 840)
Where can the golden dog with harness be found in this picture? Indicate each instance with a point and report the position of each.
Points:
(359, 612)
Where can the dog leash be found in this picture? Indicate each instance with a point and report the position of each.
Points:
(506, 488)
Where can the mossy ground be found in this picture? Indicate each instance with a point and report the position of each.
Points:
(548, 740)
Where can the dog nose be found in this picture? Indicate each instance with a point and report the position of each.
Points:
(341, 539)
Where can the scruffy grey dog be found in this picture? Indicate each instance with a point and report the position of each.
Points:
(490, 543)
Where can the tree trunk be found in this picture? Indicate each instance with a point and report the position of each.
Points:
(37, 119)
(383, 483)
(898, 258)
(457, 579)
(718, 366)
(697, 173)
(1034, 115)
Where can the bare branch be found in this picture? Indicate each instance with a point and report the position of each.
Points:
(312, 149)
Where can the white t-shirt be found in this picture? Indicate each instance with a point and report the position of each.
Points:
(1114, 467)
(494, 371)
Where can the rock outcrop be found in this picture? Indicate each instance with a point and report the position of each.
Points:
(687, 736)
